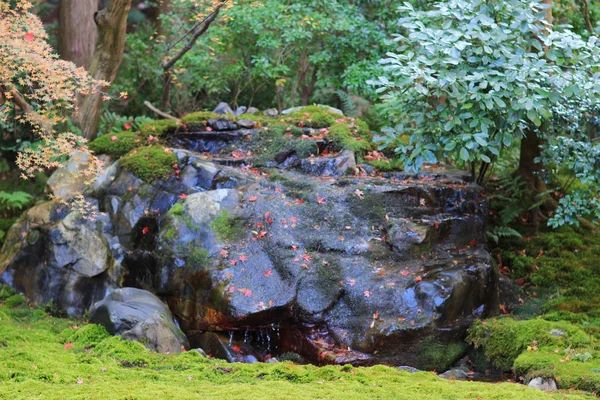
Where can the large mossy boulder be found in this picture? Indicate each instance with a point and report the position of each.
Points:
(304, 255)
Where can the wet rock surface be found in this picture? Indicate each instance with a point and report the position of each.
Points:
(139, 315)
(306, 257)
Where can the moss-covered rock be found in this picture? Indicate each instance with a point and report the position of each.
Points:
(117, 145)
(150, 163)
(158, 128)
(313, 117)
(202, 117)
(227, 227)
(504, 340)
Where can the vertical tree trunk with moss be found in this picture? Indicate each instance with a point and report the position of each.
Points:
(104, 65)
(77, 33)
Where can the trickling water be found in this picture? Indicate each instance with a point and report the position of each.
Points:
(230, 338)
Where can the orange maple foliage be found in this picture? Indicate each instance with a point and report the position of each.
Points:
(42, 86)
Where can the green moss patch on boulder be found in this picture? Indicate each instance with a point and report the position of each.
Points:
(158, 127)
(503, 340)
(202, 117)
(150, 163)
(117, 145)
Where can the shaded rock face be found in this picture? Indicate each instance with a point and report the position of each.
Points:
(139, 315)
(306, 258)
(54, 256)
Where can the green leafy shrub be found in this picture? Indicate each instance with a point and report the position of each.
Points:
(117, 145)
(150, 163)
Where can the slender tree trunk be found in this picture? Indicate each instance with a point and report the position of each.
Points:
(77, 33)
(585, 5)
(104, 65)
(308, 89)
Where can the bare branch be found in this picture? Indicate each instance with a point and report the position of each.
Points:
(161, 113)
(196, 33)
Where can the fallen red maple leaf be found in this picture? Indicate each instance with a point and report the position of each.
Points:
(145, 230)
(321, 200)
(268, 272)
(243, 258)
(252, 198)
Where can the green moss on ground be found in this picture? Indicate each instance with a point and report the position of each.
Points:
(562, 267)
(117, 145)
(150, 163)
(36, 363)
(158, 128)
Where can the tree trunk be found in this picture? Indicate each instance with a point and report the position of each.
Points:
(77, 31)
(307, 90)
(112, 25)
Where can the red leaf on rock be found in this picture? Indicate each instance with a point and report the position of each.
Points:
(418, 279)
(268, 272)
(235, 348)
(145, 230)
(307, 257)
(300, 201)
(367, 293)
(321, 200)
(246, 292)
(473, 242)
(243, 258)
(293, 220)
(405, 273)
(183, 196)
(224, 253)
(252, 198)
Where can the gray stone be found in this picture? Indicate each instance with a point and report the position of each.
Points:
(157, 334)
(106, 178)
(222, 124)
(455, 374)
(252, 110)
(271, 113)
(139, 315)
(405, 234)
(547, 384)
(342, 164)
(246, 123)
(411, 370)
(65, 182)
(223, 108)
(240, 110)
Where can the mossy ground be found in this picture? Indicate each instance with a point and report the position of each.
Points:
(42, 357)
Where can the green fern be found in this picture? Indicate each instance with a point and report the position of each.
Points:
(111, 122)
(348, 106)
(502, 232)
(14, 201)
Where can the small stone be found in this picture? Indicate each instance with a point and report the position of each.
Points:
(223, 108)
(246, 123)
(408, 369)
(240, 110)
(252, 110)
(456, 374)
(547, 384)
(271, 113)
(222, 124)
